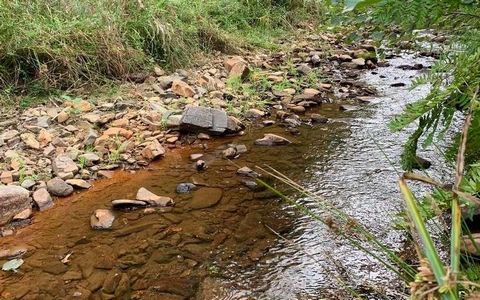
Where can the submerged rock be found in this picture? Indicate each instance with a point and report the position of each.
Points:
(154, 200)
(185, 187)
(206, 197)
(102, 219)
(200, 165)
(270, 139)
(13, 199)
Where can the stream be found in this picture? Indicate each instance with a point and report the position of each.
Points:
(231, 250)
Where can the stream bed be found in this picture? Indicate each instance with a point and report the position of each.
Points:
(231, 250)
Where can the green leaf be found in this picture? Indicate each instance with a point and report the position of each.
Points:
(359, 4)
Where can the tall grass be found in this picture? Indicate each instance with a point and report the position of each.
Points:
(49, 44)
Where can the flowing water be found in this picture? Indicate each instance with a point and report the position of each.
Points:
(231, 250)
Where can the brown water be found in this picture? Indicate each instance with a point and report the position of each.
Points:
(228, 251)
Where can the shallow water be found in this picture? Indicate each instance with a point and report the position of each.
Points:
(228, 251)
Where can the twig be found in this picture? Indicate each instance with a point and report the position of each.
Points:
(422, 178)
(456, 231)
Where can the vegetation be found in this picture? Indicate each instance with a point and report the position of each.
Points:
(62, 44)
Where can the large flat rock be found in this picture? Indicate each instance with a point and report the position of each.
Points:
(13, 199)
(204, 119)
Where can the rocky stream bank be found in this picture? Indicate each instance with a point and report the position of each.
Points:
(190, 217)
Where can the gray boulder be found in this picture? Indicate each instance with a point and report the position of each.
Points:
(58, 187)
(204, 119)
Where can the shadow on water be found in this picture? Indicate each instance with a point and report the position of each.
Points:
(227, 251)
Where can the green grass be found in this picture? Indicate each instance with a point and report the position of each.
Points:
(64, 44)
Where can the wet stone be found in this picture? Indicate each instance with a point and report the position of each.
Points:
(200, 165)
(185, 187)
(270, 139)
(154, 200)
(102, 219)
(206, 197)
(128, 204)
(196, 156)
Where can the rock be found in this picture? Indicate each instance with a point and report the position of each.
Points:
(63, 166)
(153, 150)
(89, 158)
(128, 204)
(421, 163)
(298, 109)
(246, 171)
(105, 174)
(91, 117)
(158, 71)
(9, 134)
(84, 106)
(43, 199)
(23, 215)
(30, 140)
(203, 136)
(304, 69)
(241, 149)
(185, 187)
(398, 84)
(229, 152)
(6, 177)
(268, 122)
(44, 138)
(13, 199)
(270, 139)
(200, 118)
(196, 156)
(200, 165)
(237, 67)
(234, 125)
(358, 63)
(254, 113)
(79, 183)
(58, 187)
(173, 121)
(181, 88)
(117, 131)
(28, 184)
(62, 117)
(166, 82)
(48, 150)
(206, 197)
(145, 195)
(346, 107)
(239, 70)
(102, 219)
(319, 119)
(315, 59)
(90, 137)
